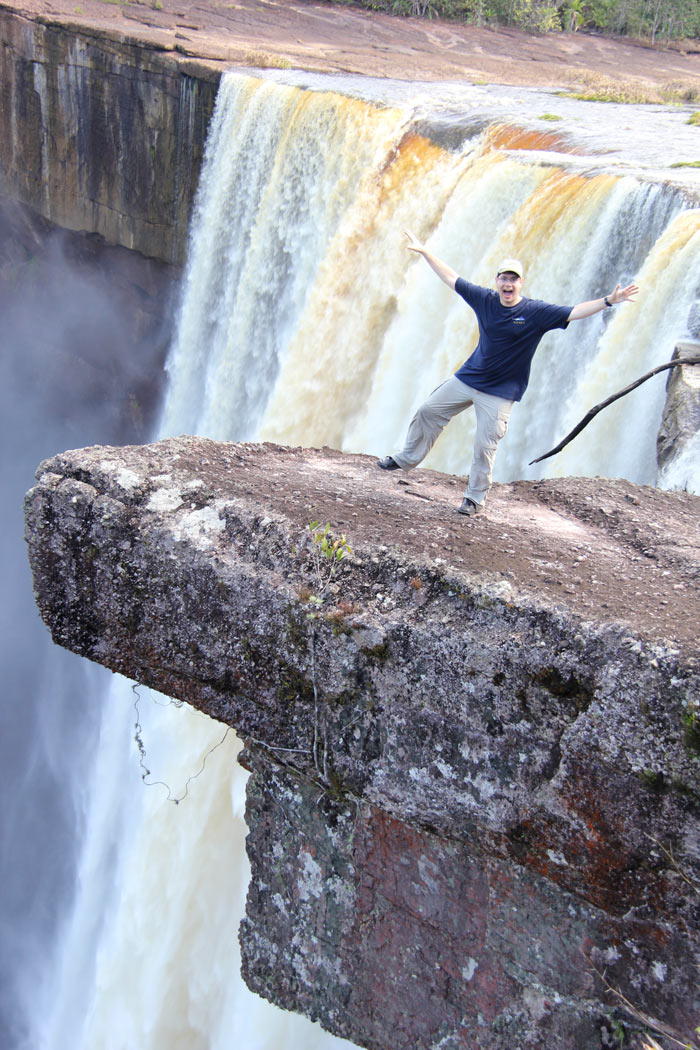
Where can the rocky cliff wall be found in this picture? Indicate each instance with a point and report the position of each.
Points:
(681, 416)
(101, 133)
(474, 746)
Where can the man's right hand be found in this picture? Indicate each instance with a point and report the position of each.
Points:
(444, 272)
(414, 245)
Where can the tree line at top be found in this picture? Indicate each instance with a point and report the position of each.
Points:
(653, 20)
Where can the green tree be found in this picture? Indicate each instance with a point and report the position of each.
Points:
(648, 19)
(573, 15)
(538, 16)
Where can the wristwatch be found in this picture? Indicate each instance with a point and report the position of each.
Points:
(606, 301)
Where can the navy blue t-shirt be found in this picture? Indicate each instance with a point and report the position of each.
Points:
(508, 338)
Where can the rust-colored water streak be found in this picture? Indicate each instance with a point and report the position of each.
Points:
(506, 136)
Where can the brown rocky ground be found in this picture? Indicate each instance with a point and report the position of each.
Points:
(325, 38)
(608, 551)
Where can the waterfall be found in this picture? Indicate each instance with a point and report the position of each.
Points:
(304, 320)
(303, 314)
(280, 166)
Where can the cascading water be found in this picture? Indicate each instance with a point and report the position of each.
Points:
(305, 321)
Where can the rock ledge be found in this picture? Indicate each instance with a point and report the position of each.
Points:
(475, 769)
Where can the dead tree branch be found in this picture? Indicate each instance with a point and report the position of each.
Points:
(608, 401)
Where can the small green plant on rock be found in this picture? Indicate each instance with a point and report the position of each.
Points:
(691, 722)
(619, 1029)
(326, 554)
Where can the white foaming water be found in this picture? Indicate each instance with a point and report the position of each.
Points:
(113, 807)
(282, 166)
(304, 320)
(684, 471)
(621, 441)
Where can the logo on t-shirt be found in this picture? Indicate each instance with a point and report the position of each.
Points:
(519, 320)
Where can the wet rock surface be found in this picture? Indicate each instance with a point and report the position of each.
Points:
(681, 418)
(475, 767)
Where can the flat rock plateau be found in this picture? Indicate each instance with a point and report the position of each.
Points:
(332, 38)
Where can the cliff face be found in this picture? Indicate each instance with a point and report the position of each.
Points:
(101, 133)
(474, 746)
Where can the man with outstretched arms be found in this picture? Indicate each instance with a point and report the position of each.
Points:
(497, 372)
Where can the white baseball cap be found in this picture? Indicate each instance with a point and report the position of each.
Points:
(510, 266)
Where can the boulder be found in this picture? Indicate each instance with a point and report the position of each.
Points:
(681, 417)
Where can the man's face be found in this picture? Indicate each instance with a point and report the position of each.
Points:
(508, 286)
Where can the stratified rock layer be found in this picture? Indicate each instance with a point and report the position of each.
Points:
(100, 133)
(475, 763)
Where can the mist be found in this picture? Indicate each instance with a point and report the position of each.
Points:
(83, 339)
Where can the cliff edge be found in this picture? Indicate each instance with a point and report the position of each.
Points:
(474, 744)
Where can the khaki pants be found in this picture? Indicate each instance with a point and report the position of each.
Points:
(446, 401)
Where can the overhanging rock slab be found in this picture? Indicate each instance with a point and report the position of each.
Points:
(475, 762)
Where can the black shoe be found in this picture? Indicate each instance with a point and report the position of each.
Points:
(469, 507)
(388, 463)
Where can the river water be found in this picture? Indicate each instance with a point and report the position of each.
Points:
(304, 320)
